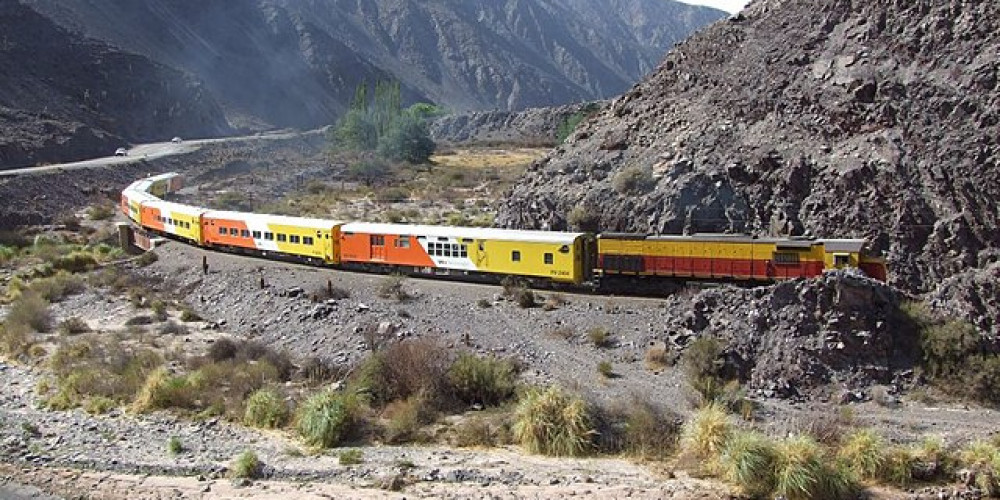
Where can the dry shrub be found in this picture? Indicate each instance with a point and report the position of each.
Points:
(564, 332)
(405, 418)
(803, 471)
(146, 259)
(827, 425)
(483, 430)
(599, 337)
(30, 311)
(15, 340)
(315, 371)
(406, 369)
(658, 357)
(637, 428)
(73, 326)
(982, 459)
(554, 422)
(244, 351)
(173, 328)
(75, 262)
(393, 287)
(58, 286)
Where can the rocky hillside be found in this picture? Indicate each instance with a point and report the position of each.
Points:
(838, 118)
(534, 126)
(295, 63)
(63, 97)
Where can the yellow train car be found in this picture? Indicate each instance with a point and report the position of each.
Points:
(314, 240)
(444, 250)
(718, 256)
(174, 219)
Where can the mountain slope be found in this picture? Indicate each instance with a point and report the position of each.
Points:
(63, 97)
(296, 62)
(838, 118)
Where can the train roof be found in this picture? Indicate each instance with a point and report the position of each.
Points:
(287, 220)
(480, 233)
(179, 207)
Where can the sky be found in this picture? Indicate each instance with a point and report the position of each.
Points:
(731, 6)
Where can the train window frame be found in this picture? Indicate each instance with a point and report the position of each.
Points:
(268, 236)
(790, 258)
(447, 250)
(233, 231)
(463, 251)
(256, 235)
(841, 260)
(377, 240)
(223, 230)
(244, 233)
(294, 238)
(515, 256)
(402, 241)
(549, 258)
(282, 237)
(308, 240)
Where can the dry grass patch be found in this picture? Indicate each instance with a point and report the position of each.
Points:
(554, 422)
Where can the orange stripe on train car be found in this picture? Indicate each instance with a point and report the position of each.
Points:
(357, 247)
(210, 233)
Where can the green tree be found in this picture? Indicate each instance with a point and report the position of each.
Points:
(407, 139)
(355, 132)
(369, 171)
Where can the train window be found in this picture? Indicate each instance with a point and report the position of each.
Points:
(377, 240)
(564, 249)
(786, 258)
(307, 240)
(447, 250)
(282, 238)
(442, 238)
(515, 256)
(402, 242)
(245, 233)
(233, 231)
(256, 235)
(548, 258)
(841, 260)
(463, 251)
(223, 230)
(269, 236)
(293, 238)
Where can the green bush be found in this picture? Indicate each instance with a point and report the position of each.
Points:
(7, 254)
(605, 369)
(406, 417)
(58, 286)
(486, 381)
(175, 446)
(75, 262)
(405, 369)
(599, 337)
(100, 212)
(351, 457)
(162, 391)
(326, 419)
(553, 422)
(246, 465)
(407, 139)
(637, 428)
(265, 409)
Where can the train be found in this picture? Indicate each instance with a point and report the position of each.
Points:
(544, 258)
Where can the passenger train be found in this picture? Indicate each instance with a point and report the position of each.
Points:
(540, 257)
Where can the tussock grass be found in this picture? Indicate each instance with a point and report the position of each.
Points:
(327, 418)
(863, 452)
(803, 471)
(748, 460)
(175, 446)
(605, 369)
(637, 428)
(246, 465)
(484, 430)
(405, 418)
(351, 457)
(982, 459)
(599, 337)
(73, 326)
(29, 311)
(265, 409)
(554, 422)
(98, 374)
(705, 435)
(658, 357)
(486, 381)
(162, 391)
(394, 287)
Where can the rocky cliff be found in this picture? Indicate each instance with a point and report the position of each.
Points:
(64, 97)
(532, 127)
(838, 118)
(296, 63)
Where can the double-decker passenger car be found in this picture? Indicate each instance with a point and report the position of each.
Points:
(444, 250)
(312, 240)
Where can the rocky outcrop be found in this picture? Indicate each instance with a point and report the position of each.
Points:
(973, 295)
(63, 97)
(293, 63)
(532, 127)
(839, 118)
(804, 337)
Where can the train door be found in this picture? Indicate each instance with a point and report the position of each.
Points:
(377, 246)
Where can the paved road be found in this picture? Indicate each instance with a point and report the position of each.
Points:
(146, 152)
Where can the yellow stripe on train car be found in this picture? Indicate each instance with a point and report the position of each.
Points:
(555, 261)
